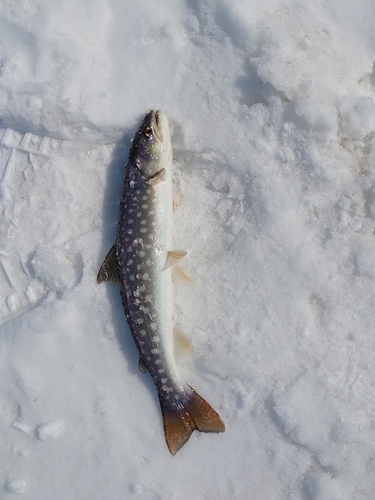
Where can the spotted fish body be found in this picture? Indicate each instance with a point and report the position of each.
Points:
(141, 261)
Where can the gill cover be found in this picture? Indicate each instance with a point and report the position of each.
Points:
(151, 149)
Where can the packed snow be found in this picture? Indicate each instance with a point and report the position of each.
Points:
(272, 111)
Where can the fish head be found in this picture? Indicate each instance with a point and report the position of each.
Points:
(152, 150)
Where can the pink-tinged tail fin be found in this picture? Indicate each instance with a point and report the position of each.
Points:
(196, 415)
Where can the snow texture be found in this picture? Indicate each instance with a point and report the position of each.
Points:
(272, 109)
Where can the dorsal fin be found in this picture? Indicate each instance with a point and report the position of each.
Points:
(109, 269)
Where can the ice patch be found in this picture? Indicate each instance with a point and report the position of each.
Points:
(357, 116)
(307, 412)
(16, 486)
(22, 427)
(366, 262)
(51, 430)
(324, 487)
(54, 268)
(135, 488)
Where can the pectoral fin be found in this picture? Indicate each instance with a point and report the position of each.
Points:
(109, 269)
(158, 177)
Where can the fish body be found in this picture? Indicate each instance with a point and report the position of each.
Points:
(140, 262)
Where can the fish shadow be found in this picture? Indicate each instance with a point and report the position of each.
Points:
(114, 179)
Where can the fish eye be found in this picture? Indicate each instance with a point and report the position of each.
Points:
(147, 131)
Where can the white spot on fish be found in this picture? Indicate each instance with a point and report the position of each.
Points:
(161, 370)
(143, 333)
(139, 267)
(144, 197)
(148, 246)
(144, 206)
(129, 249)
(164, 380)
(156, 338)
(129, 231)
(143, 230)
(153, 326)
(155, 351)
(142, 288)
(132, 277)
(145, 276)
(130, 262)
(139, 214)
(143, 222)
(142, 253)
(151, 212)
(140, 321)
(157, 361)
(148, 298)
(148, 191)
(148, 262)
(130, 221)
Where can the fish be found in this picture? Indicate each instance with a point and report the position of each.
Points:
(141, 262)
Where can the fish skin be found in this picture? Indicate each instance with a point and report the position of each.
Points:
(139, 263)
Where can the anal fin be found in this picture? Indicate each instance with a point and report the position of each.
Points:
(179, 275)
(109, 269)
(182, 344)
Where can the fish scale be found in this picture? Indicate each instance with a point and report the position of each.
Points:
(140, 262)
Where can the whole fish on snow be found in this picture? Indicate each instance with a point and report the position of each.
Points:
(140, 262)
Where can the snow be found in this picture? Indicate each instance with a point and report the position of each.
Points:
(271, 106)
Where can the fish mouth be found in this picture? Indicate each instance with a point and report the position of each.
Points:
(156, 124)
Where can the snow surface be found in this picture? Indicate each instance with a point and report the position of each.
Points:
(272, 106)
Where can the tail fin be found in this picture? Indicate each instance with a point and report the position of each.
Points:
(196, 415)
